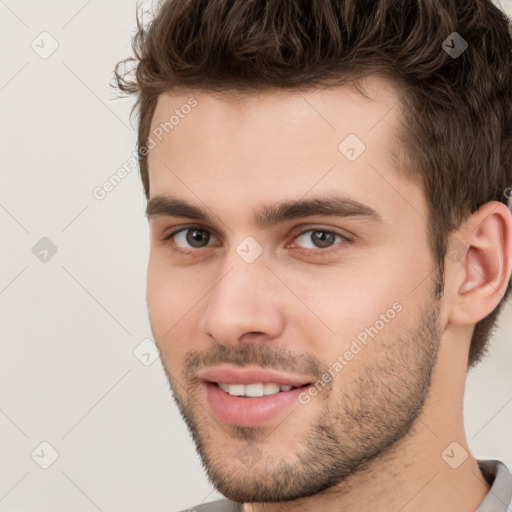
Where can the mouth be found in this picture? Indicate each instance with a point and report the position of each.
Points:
(257, 389)
(251, 396)
(248, 405)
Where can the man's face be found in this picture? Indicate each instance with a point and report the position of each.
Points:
(304, 295)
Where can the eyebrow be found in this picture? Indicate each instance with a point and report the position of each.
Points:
(269, 215)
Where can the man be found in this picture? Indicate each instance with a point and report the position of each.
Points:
(327, 187)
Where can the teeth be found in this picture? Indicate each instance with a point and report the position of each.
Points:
(253, 390)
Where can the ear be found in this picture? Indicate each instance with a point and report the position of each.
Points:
(479, 263)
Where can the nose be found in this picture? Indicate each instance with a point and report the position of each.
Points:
(244, 304)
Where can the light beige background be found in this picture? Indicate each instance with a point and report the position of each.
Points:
(68, 373)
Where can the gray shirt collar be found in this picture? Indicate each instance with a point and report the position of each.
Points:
(499, 497)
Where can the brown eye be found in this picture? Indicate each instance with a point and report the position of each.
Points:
(320, 238)
(323, 238)
(196, 238)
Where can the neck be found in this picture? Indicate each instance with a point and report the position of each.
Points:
(431, 468)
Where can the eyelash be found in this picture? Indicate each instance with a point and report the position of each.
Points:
(306, 251)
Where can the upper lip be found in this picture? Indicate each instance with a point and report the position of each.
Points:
(230, 375)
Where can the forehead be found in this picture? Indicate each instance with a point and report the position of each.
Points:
(310, 114)
(230, 123)
(277, 144)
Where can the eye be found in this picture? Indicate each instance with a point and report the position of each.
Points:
(321, 239)
(188, 239)
(195, 236)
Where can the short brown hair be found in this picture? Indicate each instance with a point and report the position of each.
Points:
(457, 110)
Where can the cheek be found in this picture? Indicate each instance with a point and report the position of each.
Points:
(163, 308)
(173, 299)
(166, 299)
(169, 288)
(156, 290)
(371, 296)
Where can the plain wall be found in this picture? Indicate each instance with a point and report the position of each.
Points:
(70, 325)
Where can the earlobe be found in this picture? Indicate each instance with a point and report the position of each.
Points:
(486, 265)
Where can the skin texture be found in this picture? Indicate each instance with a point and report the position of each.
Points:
(373, 438)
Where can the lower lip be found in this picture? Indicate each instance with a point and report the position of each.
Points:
(246, 411)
